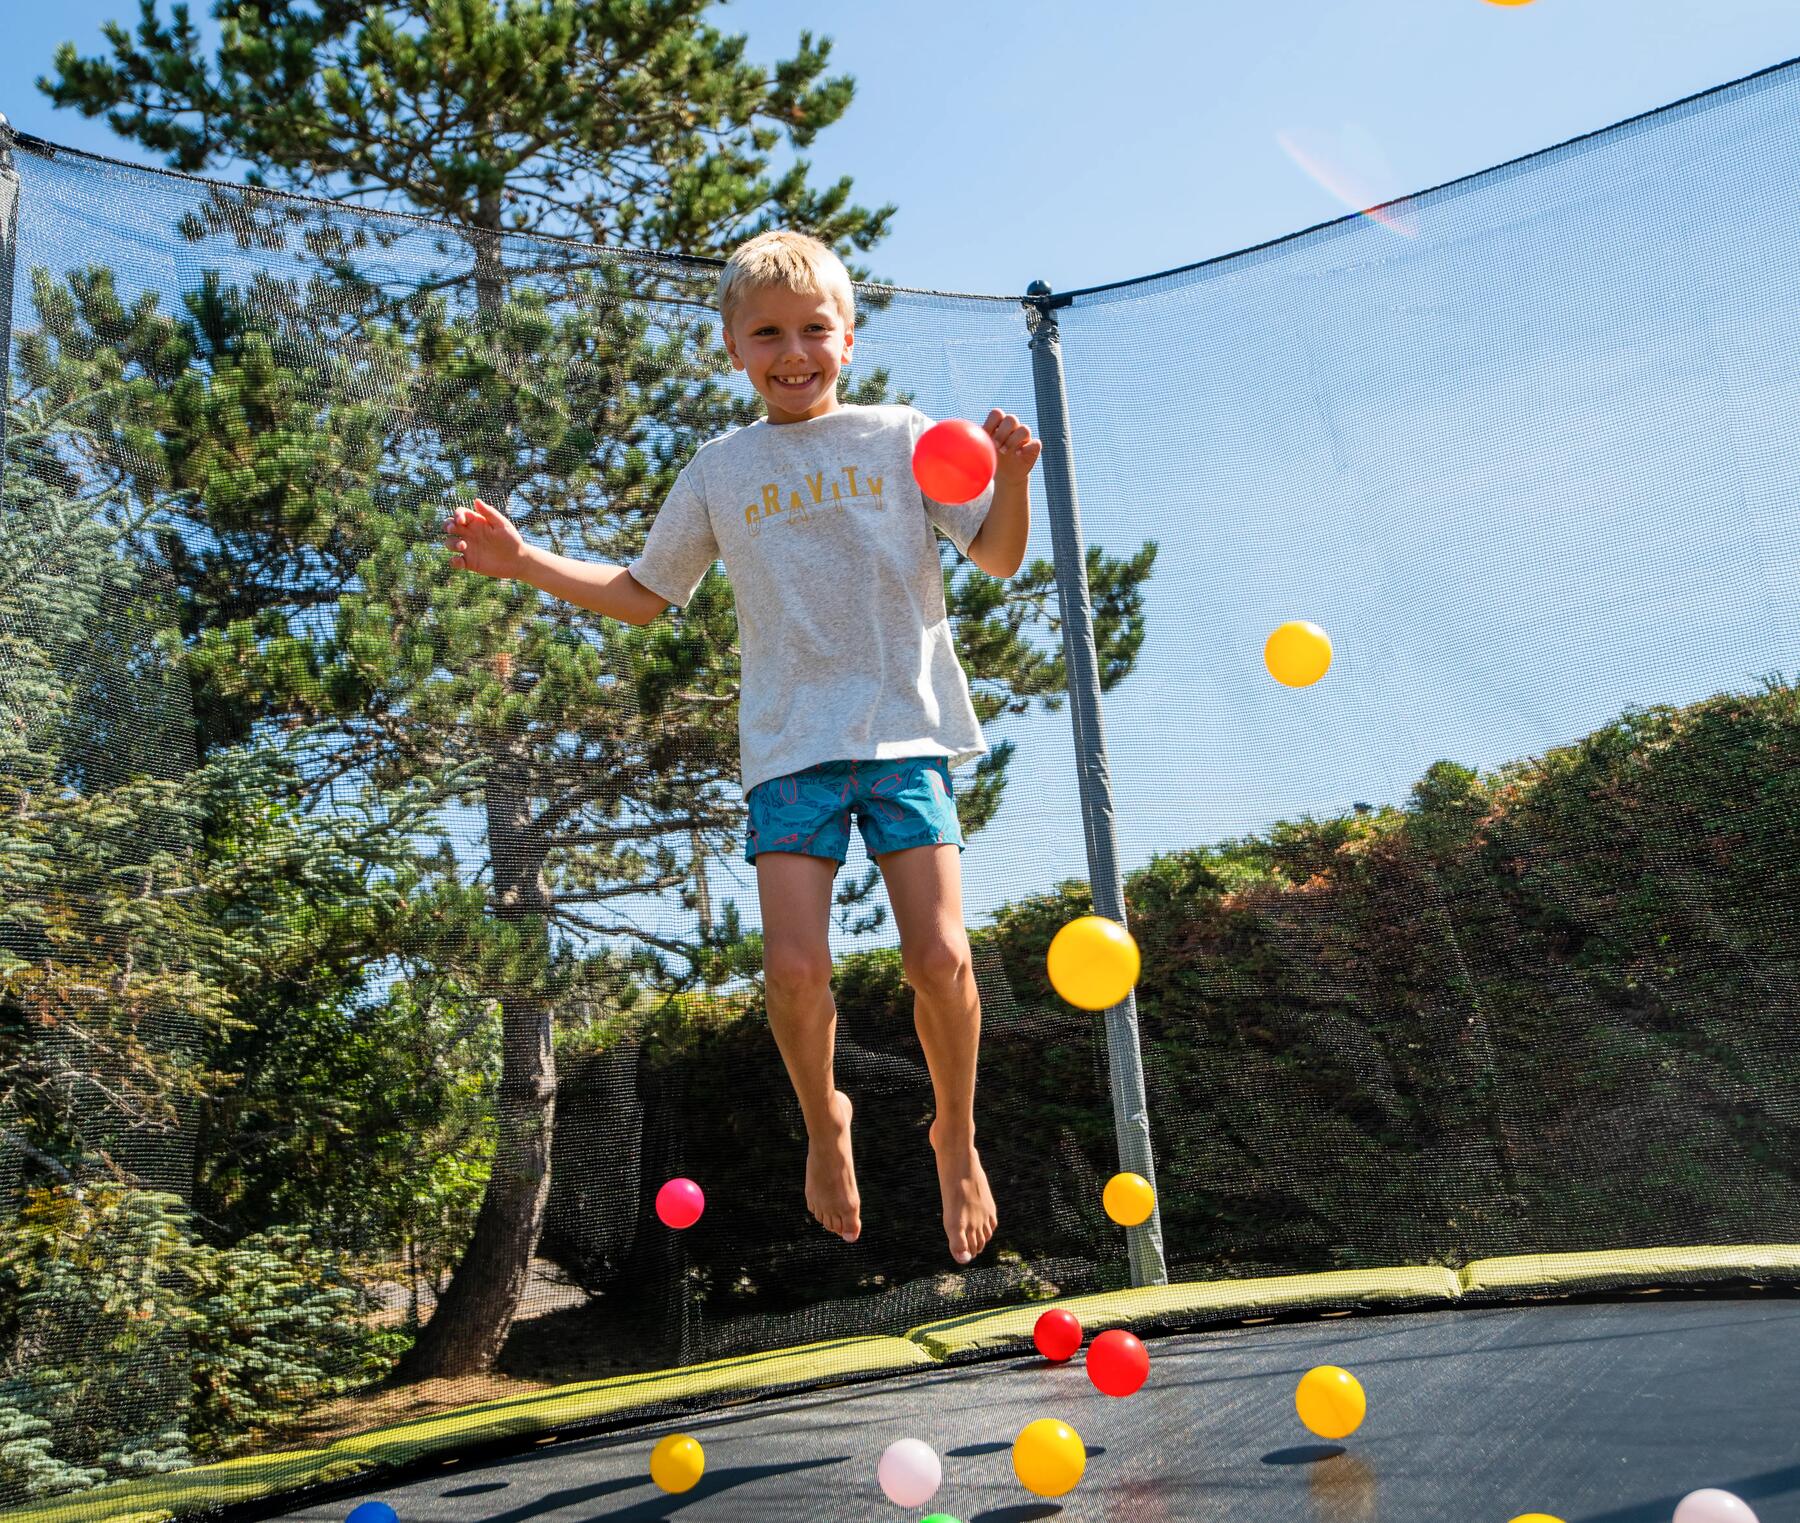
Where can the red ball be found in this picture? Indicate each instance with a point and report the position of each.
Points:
(1117, 1363)
(679, 1204)
(953, 461)
(1057, 1335)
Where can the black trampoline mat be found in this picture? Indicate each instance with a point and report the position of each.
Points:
(1593, 1413)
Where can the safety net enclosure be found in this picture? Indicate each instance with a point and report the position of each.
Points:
(375, 938)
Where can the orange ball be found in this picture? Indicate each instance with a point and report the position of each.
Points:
(1298, 654)
(1330, 1401)
(1049, 1458)
(1093, 962)
(677, 1463)
(1129, 1199)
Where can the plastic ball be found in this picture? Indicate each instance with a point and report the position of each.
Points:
(677, 1463)
(953, 461)
(1118, 1363)
(1129, 1199)
(1057, 1335)
(910, 1472)
(1711, 1506)
(1093, 962)
(1330, 1401)
(1536, 1517)
(1509, 2)
(1298, 654)
(679, 1203)
(940, 1517)
(372, 1512)
(1048, 1457)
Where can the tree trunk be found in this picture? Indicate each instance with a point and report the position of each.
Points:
(468, 1330)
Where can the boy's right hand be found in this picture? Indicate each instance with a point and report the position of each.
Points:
(482, 538)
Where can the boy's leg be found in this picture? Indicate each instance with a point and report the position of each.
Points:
(795, 892)
(924, 885)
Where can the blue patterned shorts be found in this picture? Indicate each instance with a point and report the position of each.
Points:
(896, 804)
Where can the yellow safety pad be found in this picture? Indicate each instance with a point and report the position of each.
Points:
(242, 1480)
(1553, 1274)
(989, 1331)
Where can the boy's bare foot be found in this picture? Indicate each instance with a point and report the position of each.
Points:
(831, 1174)
(969, 1212)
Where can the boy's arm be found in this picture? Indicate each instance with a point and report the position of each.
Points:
(484, 540)
(999, 547)
(595, 585)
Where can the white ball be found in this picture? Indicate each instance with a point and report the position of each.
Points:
(910, 1472)
(1713, 1507)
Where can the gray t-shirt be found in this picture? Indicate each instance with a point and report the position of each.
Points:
(829, 544)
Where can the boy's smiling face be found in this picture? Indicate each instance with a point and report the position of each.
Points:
(791, 344)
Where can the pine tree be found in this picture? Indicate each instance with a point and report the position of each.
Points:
(131, 915)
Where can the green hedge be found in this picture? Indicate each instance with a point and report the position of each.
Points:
(1547, 1009)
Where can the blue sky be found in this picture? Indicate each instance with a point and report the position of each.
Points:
(1035, 141)
(1037, 144)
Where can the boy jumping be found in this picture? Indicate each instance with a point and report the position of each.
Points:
(853, 701)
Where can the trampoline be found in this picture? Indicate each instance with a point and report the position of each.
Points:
(374, 945)
(1598, 1413)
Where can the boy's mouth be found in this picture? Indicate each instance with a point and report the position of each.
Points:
(793, 382)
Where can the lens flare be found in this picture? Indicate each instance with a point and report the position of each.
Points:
(1350, 166)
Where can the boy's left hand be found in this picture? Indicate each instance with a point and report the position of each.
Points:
(1017, 451)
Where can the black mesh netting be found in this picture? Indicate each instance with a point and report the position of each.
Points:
(359, 916)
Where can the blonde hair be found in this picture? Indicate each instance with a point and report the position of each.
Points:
(790, 260)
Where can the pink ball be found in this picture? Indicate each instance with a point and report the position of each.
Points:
(910, 1472)
(679, 1203)
(1711, 1506)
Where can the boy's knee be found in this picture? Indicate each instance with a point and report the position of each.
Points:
(941, 969)
(793, 970)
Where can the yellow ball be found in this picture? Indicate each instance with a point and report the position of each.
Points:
(1298, 654)
(677, 1463)
(1048, 1457)
(1129, 1199)
(1530, 1517)
(1519, 2)
(1093, 962)
(1330, 1401)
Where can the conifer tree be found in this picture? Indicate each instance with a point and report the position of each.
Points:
(532, 373)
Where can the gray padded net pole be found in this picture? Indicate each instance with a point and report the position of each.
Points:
(1125, 1062)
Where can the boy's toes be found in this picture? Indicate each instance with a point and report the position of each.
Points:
(845, 1224)
(966, 1246)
